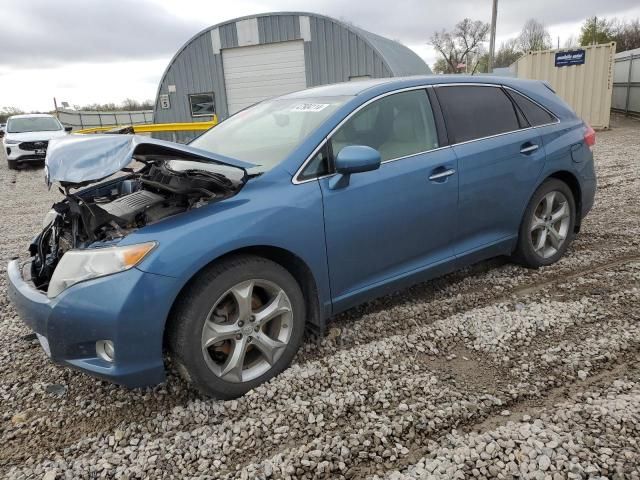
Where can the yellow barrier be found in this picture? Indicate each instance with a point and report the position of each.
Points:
(156, 127)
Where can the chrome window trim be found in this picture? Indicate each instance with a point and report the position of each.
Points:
(324, 141)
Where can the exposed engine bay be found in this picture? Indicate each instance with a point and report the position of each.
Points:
(108, 211)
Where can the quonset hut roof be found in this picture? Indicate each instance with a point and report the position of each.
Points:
(328, 51)
(402, 61)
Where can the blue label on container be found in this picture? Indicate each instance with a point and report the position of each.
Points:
(572, 57)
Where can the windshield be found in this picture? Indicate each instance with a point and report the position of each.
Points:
(268, 132)
(33, 124)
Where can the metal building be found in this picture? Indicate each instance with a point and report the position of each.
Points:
(626, 82)
(237, 63)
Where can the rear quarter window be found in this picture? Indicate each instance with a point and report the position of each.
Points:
(535, 114)
(476, 111)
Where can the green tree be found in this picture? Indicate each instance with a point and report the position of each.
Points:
(507, 54)
(483, 63)
(440, 66)
(597, 30)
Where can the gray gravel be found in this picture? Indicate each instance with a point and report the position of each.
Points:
(491, 372)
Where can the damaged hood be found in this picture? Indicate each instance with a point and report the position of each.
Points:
(82, 159)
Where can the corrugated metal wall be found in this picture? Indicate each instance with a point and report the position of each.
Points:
(194, 70)
(626, 82)
(333, 53)
(85, 119)
(278, 28)
(587, 87)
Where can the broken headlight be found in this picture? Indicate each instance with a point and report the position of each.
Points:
(49, 218)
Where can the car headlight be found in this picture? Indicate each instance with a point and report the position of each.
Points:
(78, 265)
(11, 142)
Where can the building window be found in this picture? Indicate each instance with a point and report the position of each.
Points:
(202, 105)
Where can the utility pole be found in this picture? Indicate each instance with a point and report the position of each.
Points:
(492, 38)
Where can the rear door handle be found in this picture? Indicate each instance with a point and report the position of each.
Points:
(528, 148)
(441, 174)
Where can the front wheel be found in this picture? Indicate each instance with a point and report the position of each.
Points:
(12, 164)
(547, 228)
(239, 324)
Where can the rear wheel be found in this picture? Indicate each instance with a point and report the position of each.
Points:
(547, 228)
(238, 325)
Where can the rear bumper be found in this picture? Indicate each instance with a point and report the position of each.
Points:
(128, 308)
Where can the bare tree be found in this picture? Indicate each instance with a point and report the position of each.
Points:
(461, 49)
(571, 42)
(127, 104)
(627, 35)
(6, 112)
(534, 36)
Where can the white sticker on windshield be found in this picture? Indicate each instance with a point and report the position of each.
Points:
(309, 107)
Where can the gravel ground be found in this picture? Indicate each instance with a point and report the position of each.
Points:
(491, 372)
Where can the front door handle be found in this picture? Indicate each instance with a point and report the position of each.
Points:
(528, 148)
(441, 174)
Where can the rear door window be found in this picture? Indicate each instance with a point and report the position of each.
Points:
(476, 111)
(535, 114)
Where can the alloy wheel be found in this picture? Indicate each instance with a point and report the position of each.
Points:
(550, 224)
(247, 330)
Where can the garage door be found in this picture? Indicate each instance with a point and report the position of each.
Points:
(258, 72)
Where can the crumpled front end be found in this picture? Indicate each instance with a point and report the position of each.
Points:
(82, 291)
(162, 182)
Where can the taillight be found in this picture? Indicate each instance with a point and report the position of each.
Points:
(589, 136)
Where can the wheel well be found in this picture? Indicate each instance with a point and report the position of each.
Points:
(572, 182)
(293, 264)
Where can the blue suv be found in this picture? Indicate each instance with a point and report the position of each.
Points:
(221, 253)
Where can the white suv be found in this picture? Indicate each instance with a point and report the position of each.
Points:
(27, 137)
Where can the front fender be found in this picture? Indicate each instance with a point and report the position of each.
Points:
(263, 213)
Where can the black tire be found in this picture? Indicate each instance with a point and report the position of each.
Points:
(525, 252)
(12, 164)
(185, 329)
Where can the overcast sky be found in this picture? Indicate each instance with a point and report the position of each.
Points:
(88, 51)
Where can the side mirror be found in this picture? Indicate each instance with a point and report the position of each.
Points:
(357, 159)
(68, 129)
(354, 159)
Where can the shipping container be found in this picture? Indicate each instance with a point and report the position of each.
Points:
(582, 76)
